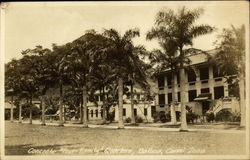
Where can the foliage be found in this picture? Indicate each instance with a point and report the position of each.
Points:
(161, 116)
(110, 116)
(138, 119)
(191, 117)
(224, 115)
(210, 116)
(231, 51)
(36, 112)
(236, 117)
(227, 116)
(128, 120)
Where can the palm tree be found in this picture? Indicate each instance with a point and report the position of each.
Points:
(230, 59)
(81, 62)
(58, 72)
(101, 77)
(180, 29)
(166, 58)
(138, 75)
(120, 53)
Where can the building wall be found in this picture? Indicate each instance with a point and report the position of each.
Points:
(210, 82)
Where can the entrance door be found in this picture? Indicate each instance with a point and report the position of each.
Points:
(205, 107)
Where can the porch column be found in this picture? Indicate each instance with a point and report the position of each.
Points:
(198, 82)
(211, 81)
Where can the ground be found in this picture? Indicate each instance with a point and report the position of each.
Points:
(24, 139)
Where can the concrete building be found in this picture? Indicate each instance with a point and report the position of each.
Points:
(205, 88)
(142, 108)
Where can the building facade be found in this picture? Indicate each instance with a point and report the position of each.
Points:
(206, 89)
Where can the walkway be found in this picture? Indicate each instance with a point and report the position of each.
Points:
(37, 122)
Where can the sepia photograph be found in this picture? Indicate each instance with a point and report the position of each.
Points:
(124, 80)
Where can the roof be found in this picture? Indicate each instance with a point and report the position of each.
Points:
(198, 56)
(203, 97)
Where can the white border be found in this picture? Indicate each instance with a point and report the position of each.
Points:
(126, 3)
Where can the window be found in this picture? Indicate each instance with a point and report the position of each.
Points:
(218, 92)
(204, 73)
(191, 95)
(178, 77)
(101, 112)
(205, 90)
(124, 112)
(153, 110)
(88, 114)
(101, 97)
(191, 75)
(135, 111)
(96, 97)
(161, 82)
(96, 113)
(179, 96)
(92, 113)
(169, 98)
(216, 72)
(138, 96)
(145, 112)
(169, 79)
(161, 98)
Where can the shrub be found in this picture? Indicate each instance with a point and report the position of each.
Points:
(161, 116)
(191, 117)
(168, 117)
(236, 117)
(210, 116)
(128, 120)
(223, 115)
(156, 116)
(110, 116)
(138, 119)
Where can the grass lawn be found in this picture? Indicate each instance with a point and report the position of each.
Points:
(26, 139)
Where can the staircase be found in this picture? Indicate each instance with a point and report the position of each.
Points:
(219, 105)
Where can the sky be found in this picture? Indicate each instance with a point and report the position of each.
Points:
(30, 24)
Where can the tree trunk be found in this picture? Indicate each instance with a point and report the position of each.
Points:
(64, 114)
(85, 109)
(81, 111)
(11, 109)
(20, 113)
(132, 104)
(61, 105)
(183, 97)
(30, 122)
(43, 111)
(172, 107)
(104, 106)
(120, 103)
(242, 101)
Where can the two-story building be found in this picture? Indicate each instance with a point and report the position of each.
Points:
(205, 87)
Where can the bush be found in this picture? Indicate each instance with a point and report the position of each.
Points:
(128, 120)
(236, 117)
(191, 117)
(138, 119)
(223, 116)
(161, 116)
(210, 117)
(156, 116)
(110, 116)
